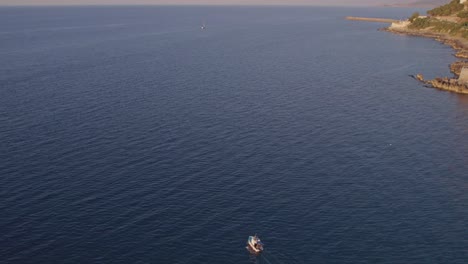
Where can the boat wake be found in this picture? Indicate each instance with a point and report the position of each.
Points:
(268, 257)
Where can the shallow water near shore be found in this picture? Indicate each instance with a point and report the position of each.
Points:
(130, 135)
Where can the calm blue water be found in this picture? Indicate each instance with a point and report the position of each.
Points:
(129, 135)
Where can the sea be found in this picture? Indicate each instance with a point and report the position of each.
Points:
(129, 134)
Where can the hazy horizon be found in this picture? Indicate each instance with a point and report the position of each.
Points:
(198, 2)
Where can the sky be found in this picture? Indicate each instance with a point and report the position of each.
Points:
(196, 2)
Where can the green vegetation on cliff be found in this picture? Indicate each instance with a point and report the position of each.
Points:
(451, 18)
(439, 26)
(420, 23)
(446, 10)
(463, 14)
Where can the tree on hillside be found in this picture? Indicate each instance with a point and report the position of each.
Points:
(413, 16)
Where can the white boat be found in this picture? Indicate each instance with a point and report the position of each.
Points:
(255, 244)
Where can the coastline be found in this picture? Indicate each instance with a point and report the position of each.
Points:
(448, 24)
(459, 44)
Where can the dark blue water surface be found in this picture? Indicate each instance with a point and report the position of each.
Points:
(130, 135)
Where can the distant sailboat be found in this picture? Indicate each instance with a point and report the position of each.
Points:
(203, 26)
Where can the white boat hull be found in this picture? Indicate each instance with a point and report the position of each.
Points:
(251, 245)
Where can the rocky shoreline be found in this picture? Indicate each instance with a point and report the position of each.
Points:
(458, 44)
(446, 84)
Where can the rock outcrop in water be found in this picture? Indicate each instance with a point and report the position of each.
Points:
(451, 85)
(459, 85)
